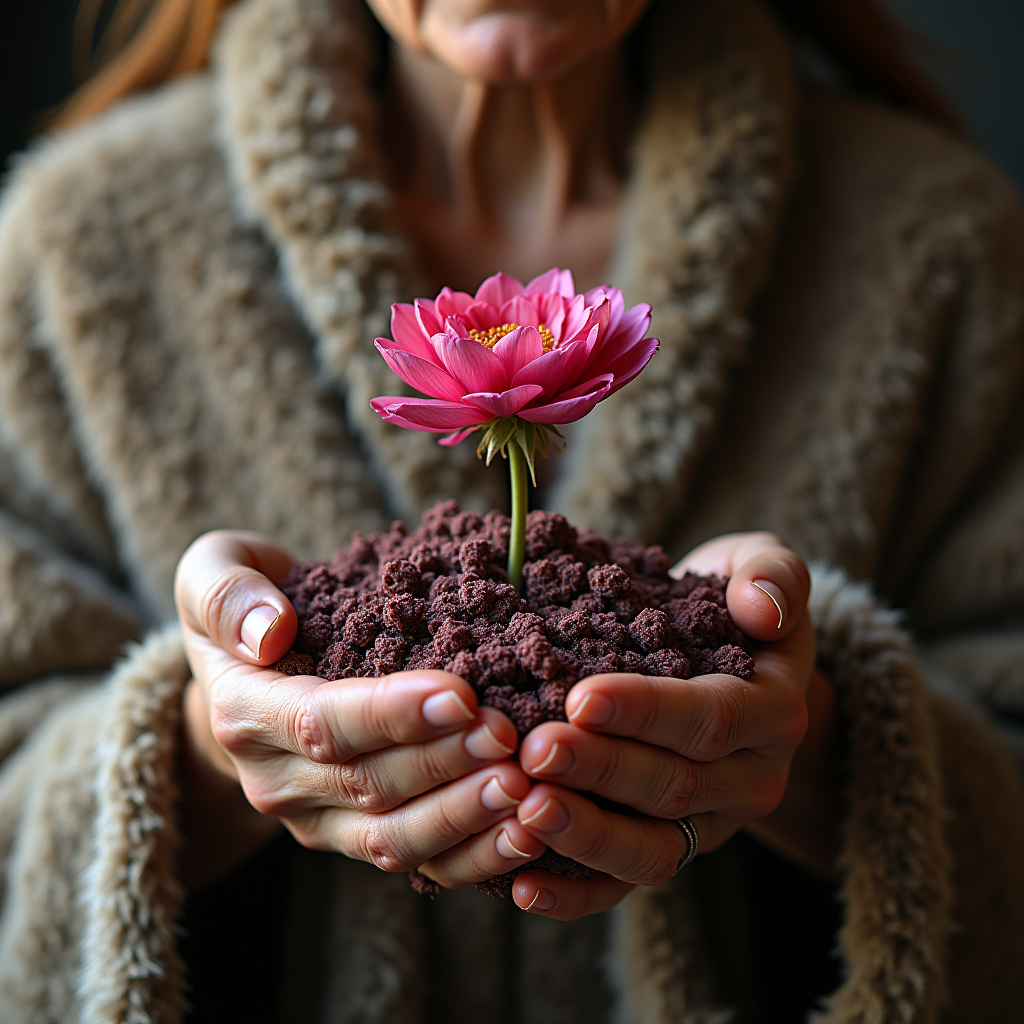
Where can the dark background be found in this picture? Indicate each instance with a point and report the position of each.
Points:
(975, 49)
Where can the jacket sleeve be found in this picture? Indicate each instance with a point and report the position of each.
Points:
(61, 606)
(933, 884)
(88, 725)
(968, 602)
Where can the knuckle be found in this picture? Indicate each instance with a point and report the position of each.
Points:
(312, 737)
(383, 850)
(214, 600)
(464, 870)
(717, 730)
(357, 787)
(377, 719)
(595, 848)
(650, 711)
(428, 764)
(235, 733)
(677, 789)
(447, 824)
(653, 863)
(611, 772)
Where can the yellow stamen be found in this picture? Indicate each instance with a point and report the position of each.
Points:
(492, 335)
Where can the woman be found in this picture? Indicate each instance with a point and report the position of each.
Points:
(188, 287)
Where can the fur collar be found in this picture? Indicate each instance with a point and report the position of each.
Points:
(711, 164)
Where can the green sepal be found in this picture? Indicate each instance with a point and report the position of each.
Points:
(530, 438)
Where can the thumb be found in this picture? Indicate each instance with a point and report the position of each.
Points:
(224, 591)
(768, 592)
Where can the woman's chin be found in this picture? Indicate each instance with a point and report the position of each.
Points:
(506, 48)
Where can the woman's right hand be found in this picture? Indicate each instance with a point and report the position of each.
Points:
(396, 771)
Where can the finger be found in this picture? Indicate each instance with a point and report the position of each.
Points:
(503, 847)
(223, 590)
(650, 779)
(767, 594)
(384, 780)
(768, 582)
(637, 849)
(412, 834)
(566, 899)
(707, 717)
(723, 555)
(334, 721)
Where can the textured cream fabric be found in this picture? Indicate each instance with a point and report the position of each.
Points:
(188, 291)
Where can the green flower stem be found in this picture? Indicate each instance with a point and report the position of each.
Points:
(517, 540)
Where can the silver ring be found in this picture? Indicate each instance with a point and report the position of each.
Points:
(692, 842)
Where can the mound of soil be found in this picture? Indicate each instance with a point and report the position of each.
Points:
(438, 598)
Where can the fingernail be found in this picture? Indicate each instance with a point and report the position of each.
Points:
(559, 760)
(596, 709)
(775, 595)
(507, 849)
(552, 817)
(544, 900)
(494, 797)
(483, 744)
(446, 708)
(256, 625)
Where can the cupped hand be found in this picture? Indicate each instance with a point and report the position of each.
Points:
(715, 748)
(403, 771)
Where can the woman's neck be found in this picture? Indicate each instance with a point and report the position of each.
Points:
(512, 177)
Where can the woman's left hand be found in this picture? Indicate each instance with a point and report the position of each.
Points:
(715, 748)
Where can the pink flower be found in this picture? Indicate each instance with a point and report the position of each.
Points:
(539, 352)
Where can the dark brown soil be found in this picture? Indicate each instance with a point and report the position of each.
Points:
(438, 598)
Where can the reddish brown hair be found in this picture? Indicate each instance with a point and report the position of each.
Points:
(169, 38)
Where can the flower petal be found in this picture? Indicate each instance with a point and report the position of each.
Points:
(454, 328)
(576, 316)
(449, 303)
(588, 386)
(629, 364)
(518, 348)
(507, 403)
(422, 374)
(519, 311)
(631, 326)
(600, 316)
(554, 280)
(425, 413)
(497, 290)
(614, 297)
(611, 351)
(481, 315)
(566, 410)
(553, 370)
(453, 439)
(551, 310)
(406, 332)
(473, 365)
(427, 318)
